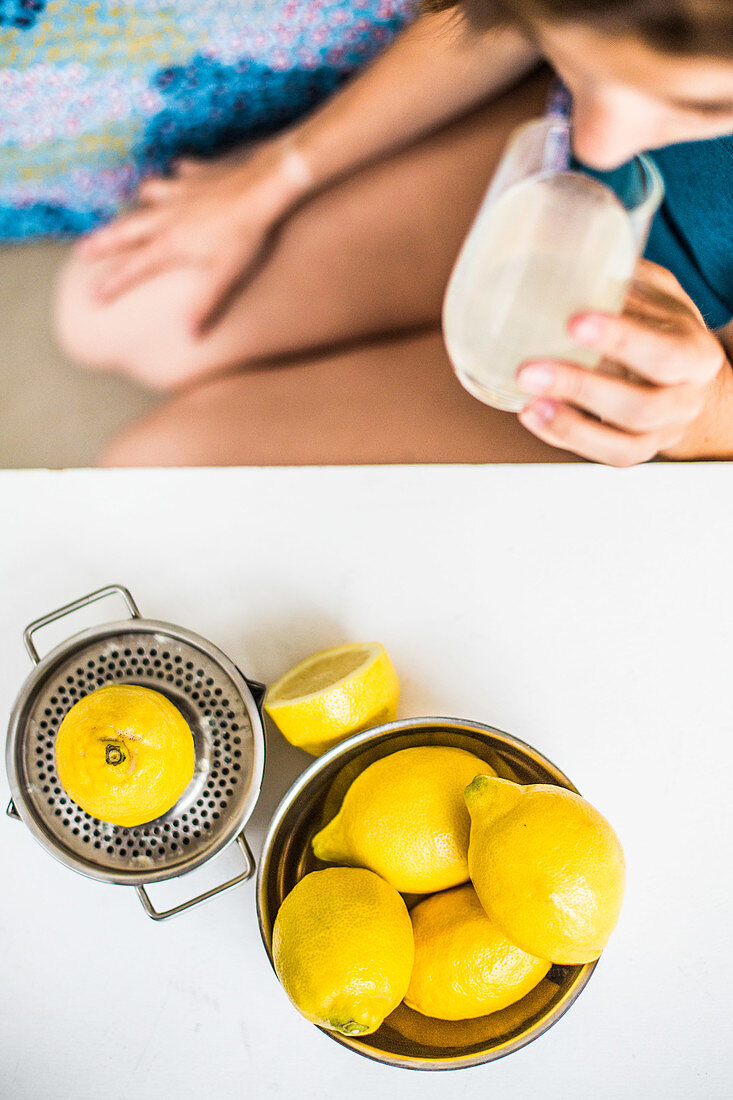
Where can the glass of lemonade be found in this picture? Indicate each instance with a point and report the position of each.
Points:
(549, 241)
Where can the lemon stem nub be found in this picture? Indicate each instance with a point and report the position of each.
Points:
(114, 754)
(348, 1027)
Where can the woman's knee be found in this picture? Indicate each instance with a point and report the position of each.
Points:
(76, 325)
(142, 335)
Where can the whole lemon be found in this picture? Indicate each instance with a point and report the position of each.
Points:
(343, 948)
(464, 965)
(547, 867)
(124, 754)
(405, 817)
(430, 1031)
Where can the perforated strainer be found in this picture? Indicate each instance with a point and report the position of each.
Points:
(222, 711)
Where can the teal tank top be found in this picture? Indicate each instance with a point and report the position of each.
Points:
(692, 234)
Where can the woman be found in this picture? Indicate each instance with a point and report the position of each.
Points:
(347, 229)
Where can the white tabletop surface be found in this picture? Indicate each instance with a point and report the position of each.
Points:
(586, 610)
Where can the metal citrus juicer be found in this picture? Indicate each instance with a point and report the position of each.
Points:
(222, 709)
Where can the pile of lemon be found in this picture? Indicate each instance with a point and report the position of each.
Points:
(454, 890)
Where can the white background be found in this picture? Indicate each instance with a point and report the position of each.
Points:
(585, 610)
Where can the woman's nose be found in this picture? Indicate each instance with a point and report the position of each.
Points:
(610, 129)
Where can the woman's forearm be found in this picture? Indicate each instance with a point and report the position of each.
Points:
(435, 71)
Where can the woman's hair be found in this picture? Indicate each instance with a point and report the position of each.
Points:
(692, 27)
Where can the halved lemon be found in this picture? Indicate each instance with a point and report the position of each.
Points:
(125, 754)
(334, 693)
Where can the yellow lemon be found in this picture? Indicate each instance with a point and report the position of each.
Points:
(465, 966)
(547, 867)
(334, 693)
(428, 1031)
(405, 818)
(343, 948)
(124, 754)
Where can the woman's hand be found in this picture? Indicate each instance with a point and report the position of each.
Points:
(671, 364)
(215, 215)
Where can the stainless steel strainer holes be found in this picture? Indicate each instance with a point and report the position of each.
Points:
(221, 710)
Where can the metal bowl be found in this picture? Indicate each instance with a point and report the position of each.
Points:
(406, 1038)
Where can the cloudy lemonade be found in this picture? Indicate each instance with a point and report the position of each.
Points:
(547, 248)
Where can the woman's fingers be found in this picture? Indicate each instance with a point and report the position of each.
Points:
(571, 430)
(651, 275)
(214, 299)
(666, 359)
(139, 265)
(667, 351)
(126, 232)
(188, 167)
(158, 189)
(633, 406)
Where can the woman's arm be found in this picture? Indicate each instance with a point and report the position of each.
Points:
(217, 214)
(435, 71)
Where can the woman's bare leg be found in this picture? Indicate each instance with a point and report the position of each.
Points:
(395, 400)
(370, 255)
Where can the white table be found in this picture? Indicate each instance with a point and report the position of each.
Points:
(586, 610)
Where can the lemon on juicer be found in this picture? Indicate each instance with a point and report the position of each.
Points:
(343, 948)
(547, 868)
(465, 966)
(124, 754)
(405, 818)
(334, 693)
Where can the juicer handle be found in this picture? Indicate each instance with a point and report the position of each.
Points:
(259, 691)
(164, 914)
(76, 605)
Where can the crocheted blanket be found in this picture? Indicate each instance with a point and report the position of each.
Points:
(94, 94)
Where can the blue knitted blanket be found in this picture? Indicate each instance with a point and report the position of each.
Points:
(94, 94)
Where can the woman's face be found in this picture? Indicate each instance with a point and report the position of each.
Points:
(628, 97)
